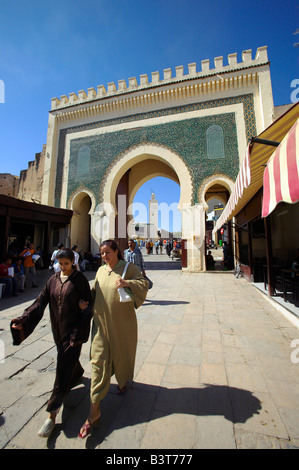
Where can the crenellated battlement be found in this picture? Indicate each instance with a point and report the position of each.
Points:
(261, 58)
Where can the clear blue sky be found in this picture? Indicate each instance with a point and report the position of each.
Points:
(48, 49)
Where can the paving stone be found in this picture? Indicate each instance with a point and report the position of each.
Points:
(16, 417)
(11, 366)
(187, 355)
(266, 421)
(170, 432)
(215, 432)
(213, 373)
(33, 350)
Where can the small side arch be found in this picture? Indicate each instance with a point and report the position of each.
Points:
(214, 180)
(82, 203)
(77, 196)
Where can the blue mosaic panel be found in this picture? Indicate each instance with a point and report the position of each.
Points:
(187, 138)
(83, 160)
(215, 142)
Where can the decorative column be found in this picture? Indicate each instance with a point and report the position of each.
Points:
(102, 225)
(121, 221)
(193, 232)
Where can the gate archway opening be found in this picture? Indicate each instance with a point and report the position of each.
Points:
(216, 198)
(125, 177)
(156, 204)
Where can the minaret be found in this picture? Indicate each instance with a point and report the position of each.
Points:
(153, 210)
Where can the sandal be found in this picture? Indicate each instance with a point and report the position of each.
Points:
(87, 428)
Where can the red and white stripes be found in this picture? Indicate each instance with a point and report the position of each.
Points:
(281, 176)
(242, 182)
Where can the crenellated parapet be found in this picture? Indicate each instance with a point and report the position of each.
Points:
(216, 73)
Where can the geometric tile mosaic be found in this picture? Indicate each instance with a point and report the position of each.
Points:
(186, 138)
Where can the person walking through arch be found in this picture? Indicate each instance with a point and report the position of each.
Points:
(134, 255)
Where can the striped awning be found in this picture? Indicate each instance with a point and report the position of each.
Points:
(242, 182)
(281, 176)
(250, 178)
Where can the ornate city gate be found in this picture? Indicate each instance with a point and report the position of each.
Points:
(192, 128)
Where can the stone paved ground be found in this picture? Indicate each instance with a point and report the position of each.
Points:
(213, 370)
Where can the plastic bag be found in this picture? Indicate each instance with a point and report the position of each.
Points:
(123, 295)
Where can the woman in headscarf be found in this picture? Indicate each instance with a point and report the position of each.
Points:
(114, 330)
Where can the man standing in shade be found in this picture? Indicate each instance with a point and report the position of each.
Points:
(29, 267)
(134, 255)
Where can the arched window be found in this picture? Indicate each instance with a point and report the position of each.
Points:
(215, 142)
(83, 162)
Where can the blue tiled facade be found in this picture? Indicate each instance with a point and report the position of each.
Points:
(187, 138)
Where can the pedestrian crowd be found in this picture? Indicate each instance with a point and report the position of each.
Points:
(18, 269)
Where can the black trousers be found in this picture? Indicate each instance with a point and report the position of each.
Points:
(68, 372)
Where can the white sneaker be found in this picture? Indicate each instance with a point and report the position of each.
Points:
(47, 428)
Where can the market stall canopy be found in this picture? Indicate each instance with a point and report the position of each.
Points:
(250, 177)
(281, 176)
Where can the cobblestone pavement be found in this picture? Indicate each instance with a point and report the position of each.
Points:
(215, 368)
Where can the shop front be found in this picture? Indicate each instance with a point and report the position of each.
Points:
(264, 209)
(23, 222)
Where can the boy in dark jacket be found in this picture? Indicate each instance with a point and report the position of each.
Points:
(68, 295)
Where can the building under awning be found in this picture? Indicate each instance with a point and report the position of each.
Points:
(21, 218)
(250, 178)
